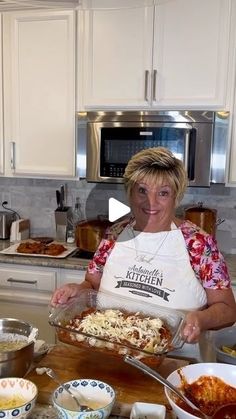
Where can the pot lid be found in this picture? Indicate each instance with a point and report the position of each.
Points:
(96, 222)
(200, 208)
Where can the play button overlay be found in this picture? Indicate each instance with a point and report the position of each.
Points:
(101, 204)
(116, 210)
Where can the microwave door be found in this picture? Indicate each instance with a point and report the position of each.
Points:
(111, 145)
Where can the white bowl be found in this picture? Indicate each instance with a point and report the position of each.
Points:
(17, 388)
(94, 393)
(147, 411)
(225, 337)
(192, 372)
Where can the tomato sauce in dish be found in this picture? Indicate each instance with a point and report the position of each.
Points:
(208, 393)
(227, 412)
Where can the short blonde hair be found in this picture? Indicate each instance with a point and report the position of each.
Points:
(158, 165)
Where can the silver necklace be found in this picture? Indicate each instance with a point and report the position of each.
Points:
(142, 256)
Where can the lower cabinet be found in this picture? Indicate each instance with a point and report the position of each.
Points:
(26, 293)
(70, 275)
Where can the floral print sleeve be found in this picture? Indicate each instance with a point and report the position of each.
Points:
(100, 256)
(205, 258)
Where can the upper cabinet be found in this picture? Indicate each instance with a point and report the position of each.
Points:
(231, 161)
(115, 54)
(191, 53)
(39, 93)
(173, 54)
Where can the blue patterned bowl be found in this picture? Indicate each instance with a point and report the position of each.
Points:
(94, 393)
(17, 397)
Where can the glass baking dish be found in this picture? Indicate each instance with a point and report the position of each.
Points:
(61, 317)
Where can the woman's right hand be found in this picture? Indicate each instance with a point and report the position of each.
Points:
(63, 294)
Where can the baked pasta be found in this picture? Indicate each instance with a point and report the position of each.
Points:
(114, 326)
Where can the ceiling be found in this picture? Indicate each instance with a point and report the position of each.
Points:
(31, 4)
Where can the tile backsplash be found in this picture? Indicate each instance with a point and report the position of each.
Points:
(36, 199)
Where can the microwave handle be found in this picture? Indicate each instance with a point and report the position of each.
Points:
(186, 150)
(190, 149)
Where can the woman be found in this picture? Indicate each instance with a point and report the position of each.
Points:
(155, 257)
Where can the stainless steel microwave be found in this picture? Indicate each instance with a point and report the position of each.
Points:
(107, 140)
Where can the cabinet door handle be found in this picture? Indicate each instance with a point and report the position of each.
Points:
(21, 281)
(13, 152)
(146, 85)
(154, 86)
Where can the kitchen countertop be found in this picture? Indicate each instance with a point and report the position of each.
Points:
(77, 263)
(48, 412)
(130, 384)
(48, 262)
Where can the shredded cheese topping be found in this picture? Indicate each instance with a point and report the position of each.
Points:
(146, 333)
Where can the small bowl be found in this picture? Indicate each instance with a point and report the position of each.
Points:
(22, 391)
(148, 411)
(96, 394)
(192, 372)
(225, 337)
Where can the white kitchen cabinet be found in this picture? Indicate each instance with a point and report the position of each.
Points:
(116, 46)
(231, 151)
(39, 93)
(191, 53)
(174, 54)
(70, 275)
(26, 293)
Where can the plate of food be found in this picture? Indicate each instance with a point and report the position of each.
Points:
(104, 322)
(39, 249)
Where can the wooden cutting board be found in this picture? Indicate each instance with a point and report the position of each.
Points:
(130, 384)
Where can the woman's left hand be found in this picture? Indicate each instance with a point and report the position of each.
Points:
(192, 328)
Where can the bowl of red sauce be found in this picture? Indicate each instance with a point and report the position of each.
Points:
(208, 385)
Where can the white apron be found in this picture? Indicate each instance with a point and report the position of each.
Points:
(153, 267)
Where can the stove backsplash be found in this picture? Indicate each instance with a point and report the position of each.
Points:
(36, 199)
